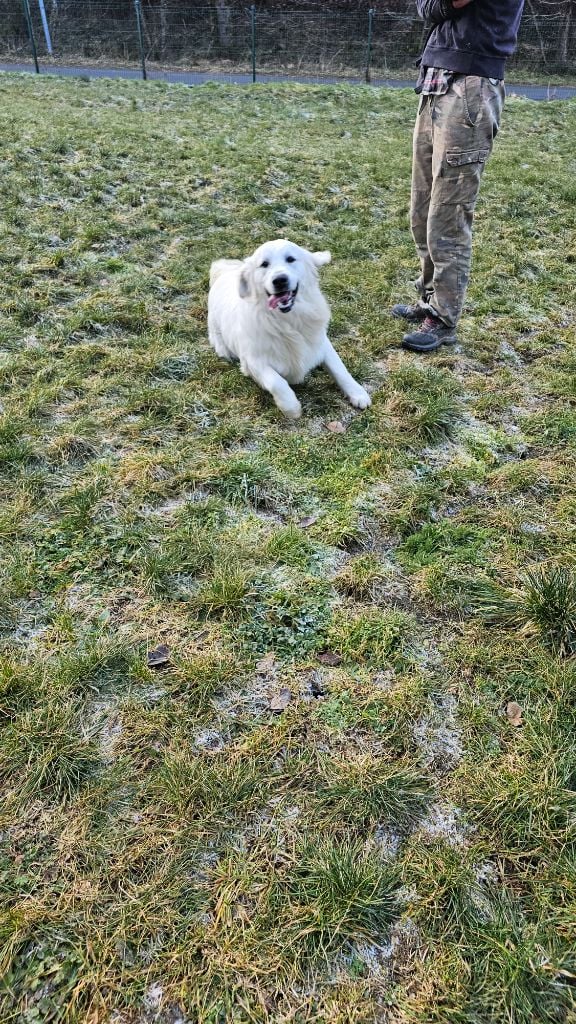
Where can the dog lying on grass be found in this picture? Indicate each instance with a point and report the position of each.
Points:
(268, 313)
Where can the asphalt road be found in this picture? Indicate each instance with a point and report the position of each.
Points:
(533, 92)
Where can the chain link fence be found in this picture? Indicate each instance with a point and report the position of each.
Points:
(180, 41)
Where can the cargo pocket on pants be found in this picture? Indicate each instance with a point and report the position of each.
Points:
(462, 172)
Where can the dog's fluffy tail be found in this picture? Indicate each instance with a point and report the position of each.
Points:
(220, 267)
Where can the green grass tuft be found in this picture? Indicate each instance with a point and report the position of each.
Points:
(339, 893)
(427, 400)
(378, 638)
(46, 753)
(545, 601)
(369, 791)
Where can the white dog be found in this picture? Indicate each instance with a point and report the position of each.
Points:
(268, 312)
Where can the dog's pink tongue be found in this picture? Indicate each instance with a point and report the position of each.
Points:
(274, 300)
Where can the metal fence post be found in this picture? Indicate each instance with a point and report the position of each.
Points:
(138, 11)
(253, 25)
(369, 53)
(45, 26)
(28, 17)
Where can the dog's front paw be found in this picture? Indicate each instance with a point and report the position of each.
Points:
(292, 411)
(359, 398)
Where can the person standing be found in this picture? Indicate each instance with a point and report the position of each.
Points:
(461, 87)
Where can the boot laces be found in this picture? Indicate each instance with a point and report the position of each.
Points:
(429, 324)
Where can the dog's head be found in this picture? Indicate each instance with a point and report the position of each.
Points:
(278, 271)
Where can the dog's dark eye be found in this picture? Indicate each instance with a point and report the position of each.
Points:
(265, 263)
(290, 259)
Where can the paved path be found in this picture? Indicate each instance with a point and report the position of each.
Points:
(533, 92)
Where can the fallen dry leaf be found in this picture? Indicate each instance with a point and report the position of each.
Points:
(330, 658)
(514, 713)
(281, 700)
(158, 656)
(336, 427)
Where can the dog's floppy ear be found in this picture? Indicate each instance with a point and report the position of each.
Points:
(320, 259)
(244, 288)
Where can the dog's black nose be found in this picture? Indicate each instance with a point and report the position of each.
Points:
(280, 283)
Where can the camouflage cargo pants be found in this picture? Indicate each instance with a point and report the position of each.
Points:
(453, 139)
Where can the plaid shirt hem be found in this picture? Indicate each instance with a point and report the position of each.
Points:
(437, 81)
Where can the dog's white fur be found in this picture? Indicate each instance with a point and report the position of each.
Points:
(276, 349)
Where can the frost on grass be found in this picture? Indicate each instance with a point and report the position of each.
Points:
(27, 634)
(508, 353)
(279, 823)
(156, 1009)
(252, 698)
(169, 508)
(210, 740)
(444, 821)
(385, 962)
(405, 945)
(107, 726)
(387, 841)
(153, 997)
(438, 735)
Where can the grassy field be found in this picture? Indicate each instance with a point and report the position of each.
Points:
(287, 710)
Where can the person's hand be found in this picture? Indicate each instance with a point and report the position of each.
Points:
(457, 4)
